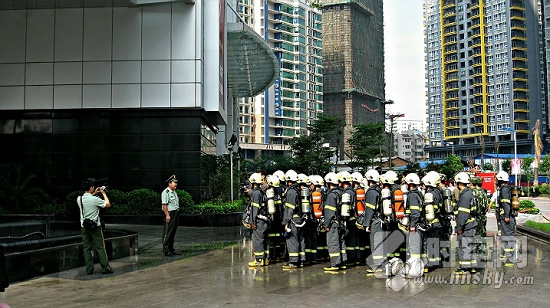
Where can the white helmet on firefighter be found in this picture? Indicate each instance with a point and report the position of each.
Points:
(255, 178)
(317, 180)
(392, 176)
(291, 175)
(431, 179)
(344, 176)
(372, 175)
(279, 174)
(385, 179)
(412, 178)
(502, 176)
(462, 177)
(273, 181)
(332, 178)
(303, 179)
(357, 177)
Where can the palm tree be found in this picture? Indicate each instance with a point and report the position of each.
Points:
(19, 194)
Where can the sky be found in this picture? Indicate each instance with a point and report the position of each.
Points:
(404, 63)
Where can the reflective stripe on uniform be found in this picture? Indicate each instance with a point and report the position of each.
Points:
(377, 257)
(273, 234)
(295, 216)
(289, 205)
(504, 200)
(342, 251)
(463, 209)
(302, 253)
(293, 254)
(259, 253)
(314, 251)
(308, 250)
(334, 254)
(435, 220)
(330, 207)
(470, 220)
(370, 206)
(255, 204)
(350, 248)
(415, 255)
(414, 207)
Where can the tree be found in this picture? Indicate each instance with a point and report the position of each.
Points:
(433, 167)
(365, 144)
(452, 166)
(329, 128)
(488, 167)
(413, 167)
(544, 166)
(506, 165)
(528, 172)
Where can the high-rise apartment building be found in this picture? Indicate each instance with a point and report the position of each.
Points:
(293, 29)
(484, 75)
(353, 58)
(409, 145)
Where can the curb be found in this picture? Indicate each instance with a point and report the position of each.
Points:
(536, 234)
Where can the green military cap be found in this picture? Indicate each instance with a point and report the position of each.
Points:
(476, 180)
(172, 179)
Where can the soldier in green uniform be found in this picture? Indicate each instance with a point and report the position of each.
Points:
(480, 194)
(170, 207)
(89, 205)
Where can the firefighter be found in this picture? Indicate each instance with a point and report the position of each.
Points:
(275, 231)
(480, 194)
(317, 198)
(278, 228)
(260, 222)
(372, 222)
(362, 237)
(466, 225)
(310, 230)
(415, 208)
(398, 204)
(348, 200)
(331, 213)
(293, 222)
(507, 217)
(433, 215)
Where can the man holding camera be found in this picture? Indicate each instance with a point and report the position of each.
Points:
(170, 207)
(89, 205)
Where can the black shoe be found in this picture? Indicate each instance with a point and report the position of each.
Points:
(169, 254)
(109, 271)
(175, 253)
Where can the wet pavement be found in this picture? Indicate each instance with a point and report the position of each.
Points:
(221, 277)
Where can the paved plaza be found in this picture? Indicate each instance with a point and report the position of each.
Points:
(222, 278)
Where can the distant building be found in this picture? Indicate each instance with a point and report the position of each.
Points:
(403, 125)
(409, 145)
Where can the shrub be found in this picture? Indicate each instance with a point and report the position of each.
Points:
(523, 204)
(185, 198)
(214, 207)
(144, 201)
(69, 206)
(543, 189)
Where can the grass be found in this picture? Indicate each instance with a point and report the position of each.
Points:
(541, 226)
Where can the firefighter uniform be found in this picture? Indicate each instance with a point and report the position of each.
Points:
(310, 233)
(467, 224)
(352, 235)
(433, 233)
(415, 209)
(373, 223)
(332, 222)
(260, 226)
(292, 220)
(507, 228)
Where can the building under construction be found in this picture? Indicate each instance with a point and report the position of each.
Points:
(353, 58)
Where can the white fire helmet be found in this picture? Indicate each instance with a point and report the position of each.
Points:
(273, 181)
(291, 175)
(344, 176)
(255, 178)
(502, 176)
(279, 174)
(357, 177)
(412, 178)
(372, 175)
(462, 177)
(303, 179)
(332, 178)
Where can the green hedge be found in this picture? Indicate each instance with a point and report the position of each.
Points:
(541, 226)
(141, 202)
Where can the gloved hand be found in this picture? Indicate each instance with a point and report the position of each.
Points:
(253, 226)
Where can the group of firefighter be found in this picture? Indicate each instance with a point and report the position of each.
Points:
(375, 220)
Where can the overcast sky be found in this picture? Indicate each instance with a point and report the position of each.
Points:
(404, 52)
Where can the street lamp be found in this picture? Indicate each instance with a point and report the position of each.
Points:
(509, 129)
(391, 117)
